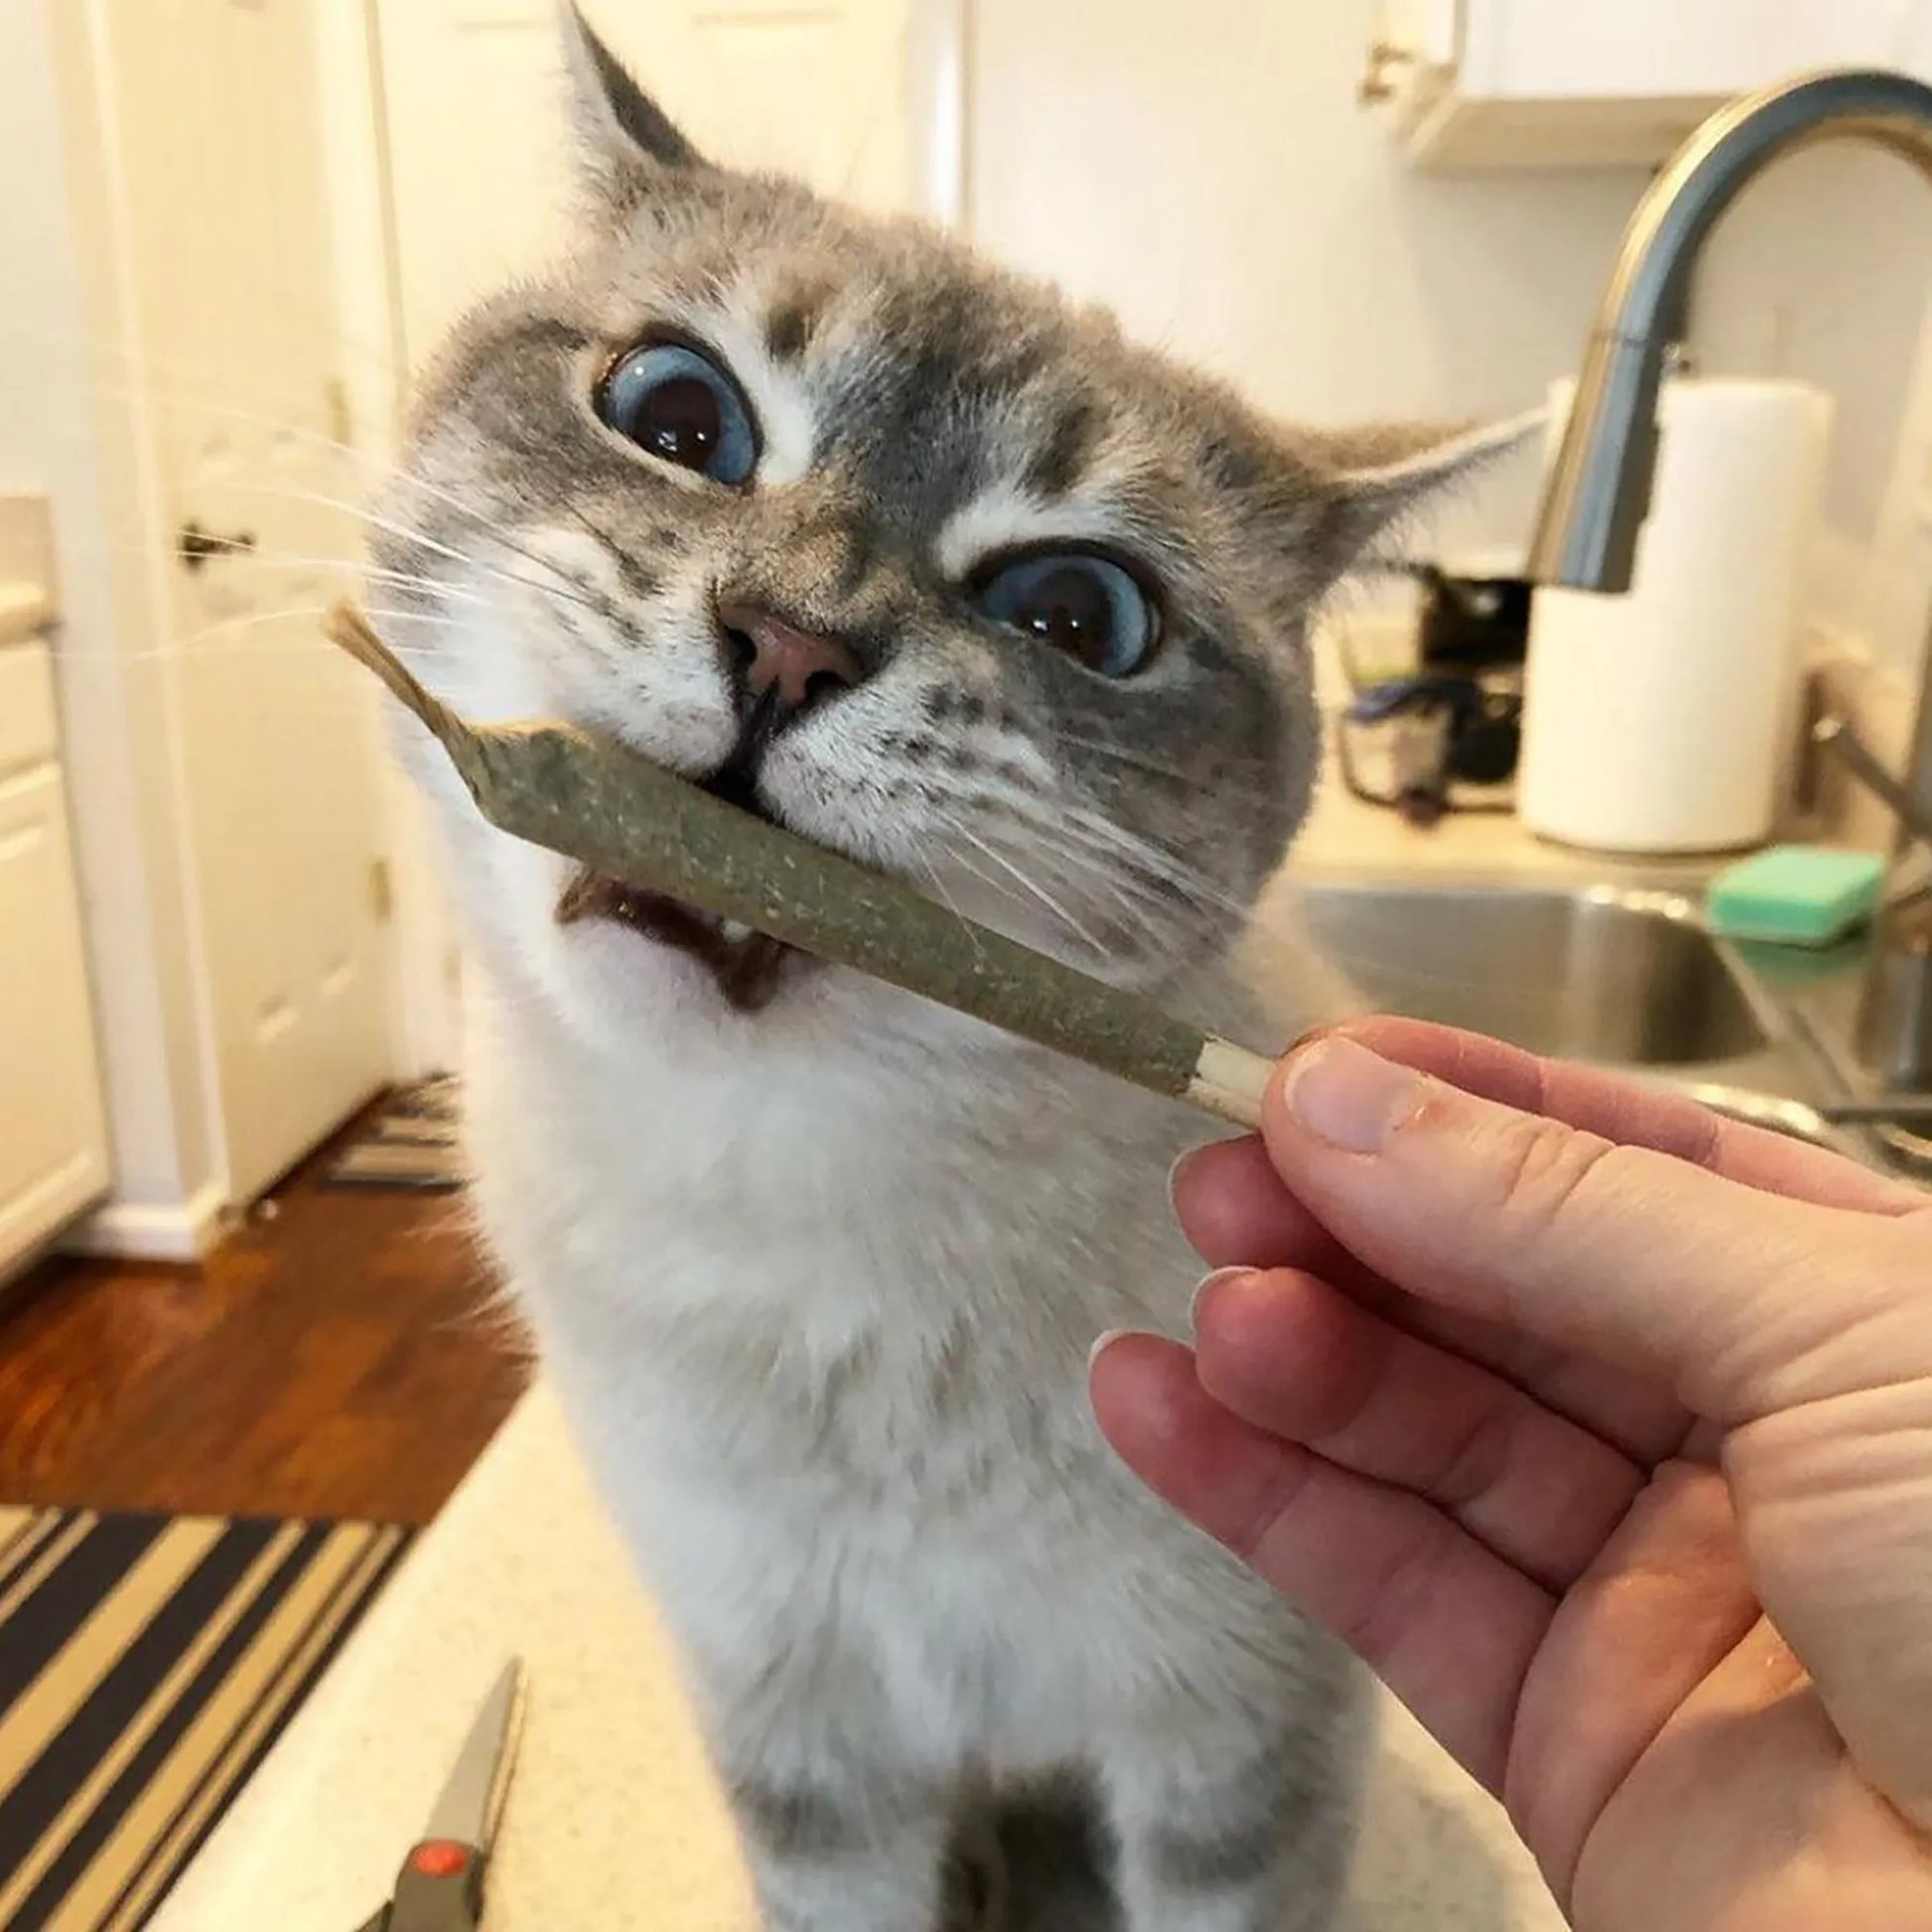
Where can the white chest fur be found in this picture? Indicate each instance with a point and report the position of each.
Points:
(821, 1315)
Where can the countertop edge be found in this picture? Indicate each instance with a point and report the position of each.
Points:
(26, 609)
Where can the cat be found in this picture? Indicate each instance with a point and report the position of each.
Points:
(908, 553)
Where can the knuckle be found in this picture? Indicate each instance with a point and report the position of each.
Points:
(1543, 1167)
(1270, 1517)
(1406, 1594)
(1480, 1455)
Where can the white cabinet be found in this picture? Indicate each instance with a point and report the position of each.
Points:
(52, 1132)
(1524, 83)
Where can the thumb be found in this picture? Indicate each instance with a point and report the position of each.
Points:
(1745, 1302)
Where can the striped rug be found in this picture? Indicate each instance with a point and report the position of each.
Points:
(145, 1665)
(413, 1141)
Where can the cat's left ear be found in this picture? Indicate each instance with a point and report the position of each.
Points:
(1381, 475)
(622, 136)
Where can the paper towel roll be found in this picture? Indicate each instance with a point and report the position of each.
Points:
(1660, 722)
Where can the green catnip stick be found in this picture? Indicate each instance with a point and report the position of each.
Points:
(623, 816)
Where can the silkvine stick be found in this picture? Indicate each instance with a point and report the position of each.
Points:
(612, 810)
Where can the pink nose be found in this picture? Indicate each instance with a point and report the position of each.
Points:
(805, 667)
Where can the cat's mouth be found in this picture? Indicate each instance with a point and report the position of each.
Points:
(748, 966)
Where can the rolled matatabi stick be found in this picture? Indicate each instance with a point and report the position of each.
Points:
(622, 815)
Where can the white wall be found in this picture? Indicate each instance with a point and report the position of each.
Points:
(61, 384)
(1205, 168)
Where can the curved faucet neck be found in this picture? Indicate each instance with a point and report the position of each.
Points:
(1599, 493)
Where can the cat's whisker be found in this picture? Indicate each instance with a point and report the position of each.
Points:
(259, 619)
(1147, 916)
(482, 518)
(361, 514)
(925, 865)
(208, 393)
(358, 568)
(1075, 826)
(1130, 761)
(221, 404)
(1167, 909)
(112, 344)
(311, 436)
(1030, 886)
(317, 439)
(1132, 911)
(565, 586)
(407, 533)
(1079, 823)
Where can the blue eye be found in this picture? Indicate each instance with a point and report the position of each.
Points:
(680, 406)
(1087, 605)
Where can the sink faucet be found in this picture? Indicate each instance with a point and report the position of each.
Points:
(1599, 493)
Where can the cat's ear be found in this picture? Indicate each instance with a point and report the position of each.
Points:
(622, 135)
(1381, 475)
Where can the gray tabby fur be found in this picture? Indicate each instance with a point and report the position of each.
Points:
(818, 1282)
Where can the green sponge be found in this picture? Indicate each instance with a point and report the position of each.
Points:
(1796, 896)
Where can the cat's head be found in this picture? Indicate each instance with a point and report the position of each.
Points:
(896, 547)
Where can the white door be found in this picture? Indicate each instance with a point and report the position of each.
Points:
(860, 98)
(216, 118)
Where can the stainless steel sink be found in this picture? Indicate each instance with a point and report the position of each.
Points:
(1617, 977)
(1622, 976)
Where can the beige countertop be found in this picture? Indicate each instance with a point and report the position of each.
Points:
(28, 572)
(1343, 833)
(26, 609)
(614, 1821)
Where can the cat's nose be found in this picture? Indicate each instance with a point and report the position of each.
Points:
(802, 668)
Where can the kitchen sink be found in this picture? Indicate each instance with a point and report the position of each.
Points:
(1616, 977)
(1621, 976)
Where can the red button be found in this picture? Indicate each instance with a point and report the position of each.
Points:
(439, 1859)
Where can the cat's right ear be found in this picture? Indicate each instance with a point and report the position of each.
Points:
(624, 138)
(1380, 475)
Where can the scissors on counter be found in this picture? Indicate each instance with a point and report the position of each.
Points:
(441, 1885)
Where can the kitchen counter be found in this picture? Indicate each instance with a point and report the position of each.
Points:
(26, 609)
(614, 1821)
(1345, 834)
(28, 604)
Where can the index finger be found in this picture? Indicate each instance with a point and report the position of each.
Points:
(1632, 1114)
(1237, 1211)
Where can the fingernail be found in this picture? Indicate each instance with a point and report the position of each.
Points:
(1349, 1097)
(1182, 1161)
(1219, 1275)
(1101, 1345)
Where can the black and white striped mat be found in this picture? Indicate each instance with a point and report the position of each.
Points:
(412, 1142)
(145, 1665)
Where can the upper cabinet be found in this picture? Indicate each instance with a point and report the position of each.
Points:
(1543, 83)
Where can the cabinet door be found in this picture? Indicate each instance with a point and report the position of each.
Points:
(53, 1135)
(1413, 56)
(1531, 83)
(1660, 49)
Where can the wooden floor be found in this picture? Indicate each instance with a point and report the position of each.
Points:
(340, 1359)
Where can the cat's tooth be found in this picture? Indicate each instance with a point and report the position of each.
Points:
(736, 931)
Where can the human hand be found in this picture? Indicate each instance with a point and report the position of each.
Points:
(1601, 1428)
